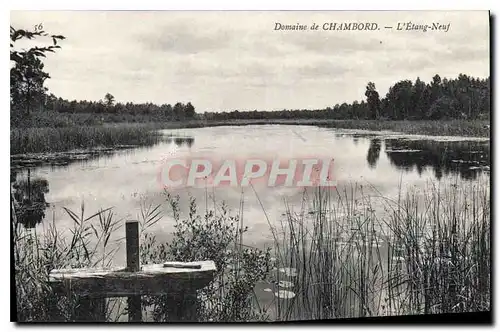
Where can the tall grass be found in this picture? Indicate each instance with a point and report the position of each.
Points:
(428, 253)
(46, 118)
(36, 254)
(215, 236)
(34, 140)
(347, 253)
(475, 128)
(468, 128)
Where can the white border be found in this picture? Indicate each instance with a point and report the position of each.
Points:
(254, 5)
(207, 5)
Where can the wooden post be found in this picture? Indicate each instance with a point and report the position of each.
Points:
(179, 281)
(181, 305)
(91, 310)
(132, 242)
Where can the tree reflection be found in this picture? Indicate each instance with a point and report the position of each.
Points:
(189, 141)
(466, 158)
(29, 199)
(373, 152)
(180, 141)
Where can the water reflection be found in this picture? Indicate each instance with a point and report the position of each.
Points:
(190, 141)
(467, 158)
(373, 152)
(29, 199)
(118, 180)
(180, 141)
(64, 159)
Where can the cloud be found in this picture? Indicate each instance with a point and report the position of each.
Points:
(185, 40)
(323, 68)
(235, 60)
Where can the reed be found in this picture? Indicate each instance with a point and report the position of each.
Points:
(346, 253)
(467, 128)
(36, 140)
(429, 252)
(36, 253)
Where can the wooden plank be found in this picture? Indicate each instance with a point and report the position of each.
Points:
(91, 310)
(181, 307)
(155, 279)
(132, 244)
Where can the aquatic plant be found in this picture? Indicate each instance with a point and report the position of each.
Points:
(426, 252)
(37, 253)
(216, 236)
(431, 254)
(35, 140)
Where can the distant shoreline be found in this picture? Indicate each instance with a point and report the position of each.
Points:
(467, 128)
(115, 134)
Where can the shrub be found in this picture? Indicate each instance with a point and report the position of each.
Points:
(216, 237)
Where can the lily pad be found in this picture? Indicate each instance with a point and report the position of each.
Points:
(285, 284)
(284, 294)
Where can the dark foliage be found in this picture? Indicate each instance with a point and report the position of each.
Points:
(462, 98)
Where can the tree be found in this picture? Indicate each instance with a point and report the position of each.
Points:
(178, 111)
(189, 111)
(26, 74)
(398, 102)
(109, 99)
(167, 110)
(373, 100)
(27, 83)
(442, 108)
(436, 88)
(418, 102)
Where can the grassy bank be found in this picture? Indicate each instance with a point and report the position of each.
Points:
(51, 125)
(428, 253)
(476, 128)
(34, 140)
(68, 135)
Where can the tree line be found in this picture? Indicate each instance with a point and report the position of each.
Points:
(464, 97)
(178, 112)
(28, 93)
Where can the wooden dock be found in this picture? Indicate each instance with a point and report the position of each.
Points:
(178, 281)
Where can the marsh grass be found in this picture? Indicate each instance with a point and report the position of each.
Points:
(426, 252)
(474, 128)
(64, 138)
(86, 244)
(430, 253)
(90, 243)
(37, 140)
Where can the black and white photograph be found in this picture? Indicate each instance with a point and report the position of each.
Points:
(250, 166)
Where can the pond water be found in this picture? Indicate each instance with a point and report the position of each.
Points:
(128, 179)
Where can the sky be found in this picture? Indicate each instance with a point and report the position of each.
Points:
(236, 60)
